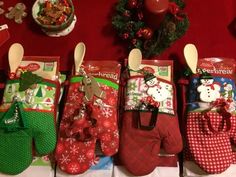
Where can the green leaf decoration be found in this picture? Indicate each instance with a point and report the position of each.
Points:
(28, 79)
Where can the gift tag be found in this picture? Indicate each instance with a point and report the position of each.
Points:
(4, 34)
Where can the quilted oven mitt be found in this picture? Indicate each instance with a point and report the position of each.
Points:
(144, 132)
(211, 120)
(88, 117)
(26, 117)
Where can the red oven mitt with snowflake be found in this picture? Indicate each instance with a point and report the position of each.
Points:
(149, 122)
(210, 115)
(90, 114)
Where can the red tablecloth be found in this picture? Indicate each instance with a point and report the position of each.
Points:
(208, 30)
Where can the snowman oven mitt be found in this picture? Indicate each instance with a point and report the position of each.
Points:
(90, 116)
(211, 114)
(149, 121)
(27, 113)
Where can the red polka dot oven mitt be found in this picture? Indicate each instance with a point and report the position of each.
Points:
(211, 113)
(28, 113)
(149, 121)
(89, 117)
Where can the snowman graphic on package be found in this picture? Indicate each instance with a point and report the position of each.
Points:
(155, 89)
(209, 90)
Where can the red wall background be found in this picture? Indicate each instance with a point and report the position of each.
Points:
(208, 30)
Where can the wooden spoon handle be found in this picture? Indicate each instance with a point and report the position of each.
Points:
(191, 57)
(79, 53)
(134, 60)
(15, 55)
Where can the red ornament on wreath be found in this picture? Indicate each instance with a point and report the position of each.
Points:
(132, 4)
(139, 33)
(147, 33)
(125, 35)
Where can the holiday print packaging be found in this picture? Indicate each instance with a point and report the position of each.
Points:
(149, 121)
(211, 117)
(89, 117)
(28, 113)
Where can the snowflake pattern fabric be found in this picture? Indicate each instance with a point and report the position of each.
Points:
(75, 155)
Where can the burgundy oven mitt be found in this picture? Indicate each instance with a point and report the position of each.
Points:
(27, 115)
(90, 116)
(149, 122)
(211, 117)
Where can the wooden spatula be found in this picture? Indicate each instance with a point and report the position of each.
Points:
(134, 61)
(15, 55)
(191, 57)
(79, 53)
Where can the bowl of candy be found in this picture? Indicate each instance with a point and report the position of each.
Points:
(53, 15)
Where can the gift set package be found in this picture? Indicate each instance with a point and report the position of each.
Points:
(93, 94)
(210, 118)
(115, 121)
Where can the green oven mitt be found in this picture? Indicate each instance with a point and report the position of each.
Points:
(26, 118)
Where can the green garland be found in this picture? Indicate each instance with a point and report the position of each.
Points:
(128, 23)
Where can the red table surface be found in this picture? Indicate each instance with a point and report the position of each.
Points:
(208, 30)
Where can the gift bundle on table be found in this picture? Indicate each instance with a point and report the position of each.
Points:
(210, 117)
(29, 111)
(149, 121)
(115, 122)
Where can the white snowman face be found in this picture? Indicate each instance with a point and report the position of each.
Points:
(152, 82)
(207, 81)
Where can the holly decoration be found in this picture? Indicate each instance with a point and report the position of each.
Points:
(130, 26)
(28, 80)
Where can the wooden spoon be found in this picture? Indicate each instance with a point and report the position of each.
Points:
(134, 60)
(15, 55)
(191, 57)
(79, 53)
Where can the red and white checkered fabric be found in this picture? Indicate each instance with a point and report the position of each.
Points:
(211, 150)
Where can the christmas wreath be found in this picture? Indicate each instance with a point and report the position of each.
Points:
(131, 26)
